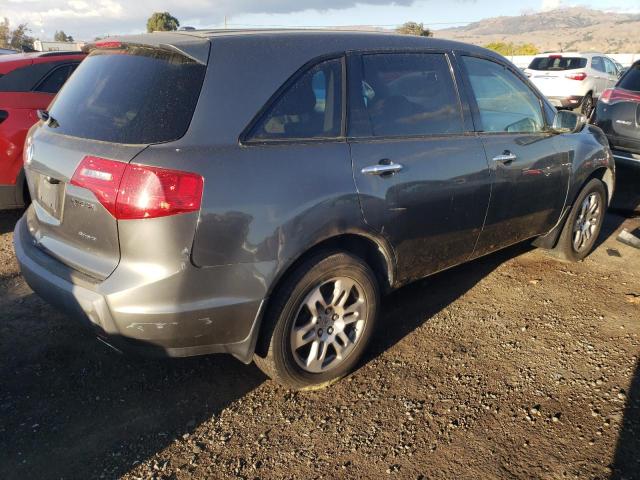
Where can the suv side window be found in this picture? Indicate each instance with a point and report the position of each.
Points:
(597, 63)
(310, 108)
(505, 102)
(406, 94)
(54, 81)
(610, 67)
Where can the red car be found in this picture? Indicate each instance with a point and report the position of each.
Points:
(28, 83)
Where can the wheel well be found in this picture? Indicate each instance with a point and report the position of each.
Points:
(365, 248)
(605, 175)
(550, 240)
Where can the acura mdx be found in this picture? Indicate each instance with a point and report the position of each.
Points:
(256, 192)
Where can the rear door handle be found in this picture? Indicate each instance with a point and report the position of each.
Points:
(506, 158)
(382, 168)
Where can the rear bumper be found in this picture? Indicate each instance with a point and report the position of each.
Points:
(573, 101)
(174, 323)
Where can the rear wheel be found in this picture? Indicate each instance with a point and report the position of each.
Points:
(319, 322)
(584, 223)
(587, 105)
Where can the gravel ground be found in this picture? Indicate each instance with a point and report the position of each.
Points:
(513, 366)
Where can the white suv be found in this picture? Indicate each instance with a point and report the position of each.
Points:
(573, 80)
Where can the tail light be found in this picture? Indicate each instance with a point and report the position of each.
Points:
(3, 115)
(576, 76)
(615, 95)
(131, 191)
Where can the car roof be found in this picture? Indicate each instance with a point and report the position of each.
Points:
(13, 57)
(15, 61)
(192, 42)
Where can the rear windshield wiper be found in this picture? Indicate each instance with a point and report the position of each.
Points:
(48, 119)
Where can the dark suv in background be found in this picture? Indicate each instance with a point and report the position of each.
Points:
(255, 192)
(618, 115)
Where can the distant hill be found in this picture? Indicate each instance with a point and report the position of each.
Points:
(572, 28)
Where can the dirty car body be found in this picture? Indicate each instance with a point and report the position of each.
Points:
(199, 281)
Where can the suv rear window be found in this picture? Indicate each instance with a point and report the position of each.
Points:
(134, 94)
(556, 62)
(631, 79)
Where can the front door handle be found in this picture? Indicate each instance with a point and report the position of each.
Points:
(506, 158)
(382, 169)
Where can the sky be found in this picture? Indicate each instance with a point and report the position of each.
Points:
(86, 19)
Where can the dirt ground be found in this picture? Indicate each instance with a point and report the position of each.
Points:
(513, 366)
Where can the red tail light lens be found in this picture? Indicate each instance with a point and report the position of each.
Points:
(102, 177)
(615, 95)
(576, 76)
(149, 192)
(131, 191)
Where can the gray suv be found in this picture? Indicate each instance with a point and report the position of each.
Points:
(256, 192)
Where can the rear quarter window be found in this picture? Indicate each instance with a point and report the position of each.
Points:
(54, 81)
(631, 79)
(133, 95)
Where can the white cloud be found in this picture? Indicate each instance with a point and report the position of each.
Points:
(86, 19)
(551, 5)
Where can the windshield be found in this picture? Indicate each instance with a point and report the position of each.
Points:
(132, 94)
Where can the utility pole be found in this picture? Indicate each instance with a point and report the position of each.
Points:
(225, 22)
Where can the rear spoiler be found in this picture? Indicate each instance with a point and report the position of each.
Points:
(195, 49)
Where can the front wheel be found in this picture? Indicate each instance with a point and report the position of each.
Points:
(319, 322)
(584, 222)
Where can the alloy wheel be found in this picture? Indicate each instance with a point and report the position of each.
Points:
(587, 222)
(328, 324)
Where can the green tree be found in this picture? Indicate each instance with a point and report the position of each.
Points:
(528, 49)
(413, 28)
(5, 33)
(509, 49)
(60, 36)
(162, 22)
(20, 37)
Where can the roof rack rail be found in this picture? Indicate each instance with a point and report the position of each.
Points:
(57, 53)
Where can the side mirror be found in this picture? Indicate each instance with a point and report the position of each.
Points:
(566, 121)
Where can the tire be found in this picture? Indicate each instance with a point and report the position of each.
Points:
(310, 359)
(586, 107)
(576, 243)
